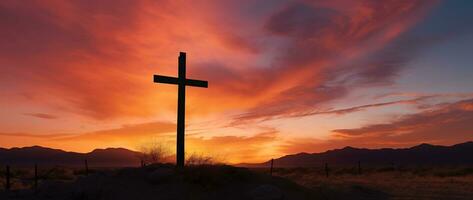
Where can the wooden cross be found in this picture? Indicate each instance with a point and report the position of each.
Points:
(181, 81)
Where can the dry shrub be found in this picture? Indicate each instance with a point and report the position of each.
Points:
(198, 159)
(155, 152)
(56, 173)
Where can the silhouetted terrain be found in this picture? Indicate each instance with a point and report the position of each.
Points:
(110, 157)
(424, 154)
(443, 173)
(167, 182)
(459, 154)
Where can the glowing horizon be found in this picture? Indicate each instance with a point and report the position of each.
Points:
(286, 76)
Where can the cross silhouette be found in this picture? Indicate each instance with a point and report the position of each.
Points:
(182, 82)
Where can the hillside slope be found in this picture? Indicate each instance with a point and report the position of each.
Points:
(110, 157)
(420, 154)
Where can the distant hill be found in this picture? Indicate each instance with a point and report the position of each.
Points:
(110, 157)
(120, 157)
(417, 155)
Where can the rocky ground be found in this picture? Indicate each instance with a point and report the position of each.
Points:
(165, 182)
(226, 182)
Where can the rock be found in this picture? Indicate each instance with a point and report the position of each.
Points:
(266, 192)
(160, 175)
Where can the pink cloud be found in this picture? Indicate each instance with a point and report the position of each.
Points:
(41, 115)
(94, 58)
(446, 123)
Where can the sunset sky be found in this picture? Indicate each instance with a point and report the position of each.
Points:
(285, 76)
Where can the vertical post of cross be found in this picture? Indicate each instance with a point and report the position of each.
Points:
(182, 82)
(271, 169)
(181, 110)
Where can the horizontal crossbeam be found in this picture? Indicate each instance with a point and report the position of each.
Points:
(165, 79)
(174, 80)
(196, 83)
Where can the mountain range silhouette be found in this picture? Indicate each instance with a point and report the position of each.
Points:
(109, 157)
(423, 154)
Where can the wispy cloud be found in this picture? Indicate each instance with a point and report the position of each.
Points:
(452, 119)
(229, 148)
(250, 117)
(125, 132)
(263, 59)
(291, 56)
(236, 149)
(41, 115)
(43, 136)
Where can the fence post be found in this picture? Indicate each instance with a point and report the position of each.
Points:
(35, 177)
(326, 169)
(7, 174)
(86, 167)
(359, 167)
(271, 169)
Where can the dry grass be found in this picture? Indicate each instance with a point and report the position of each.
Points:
(165, 181)
(398, 183)
(196, 159)
(23, 177)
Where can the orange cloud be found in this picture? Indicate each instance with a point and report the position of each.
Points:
(95, 58)
(263, 60)
(41, 115)
(442, 124)
(232, 149)
(427, 126)
(126, 132)
(22, 135)
(235, 149)
(129, 136)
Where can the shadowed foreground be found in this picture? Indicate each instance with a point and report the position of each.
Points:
(400, 183)
(226, 182)
(164, 182)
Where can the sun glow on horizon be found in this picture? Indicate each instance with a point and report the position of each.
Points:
(284, 77)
